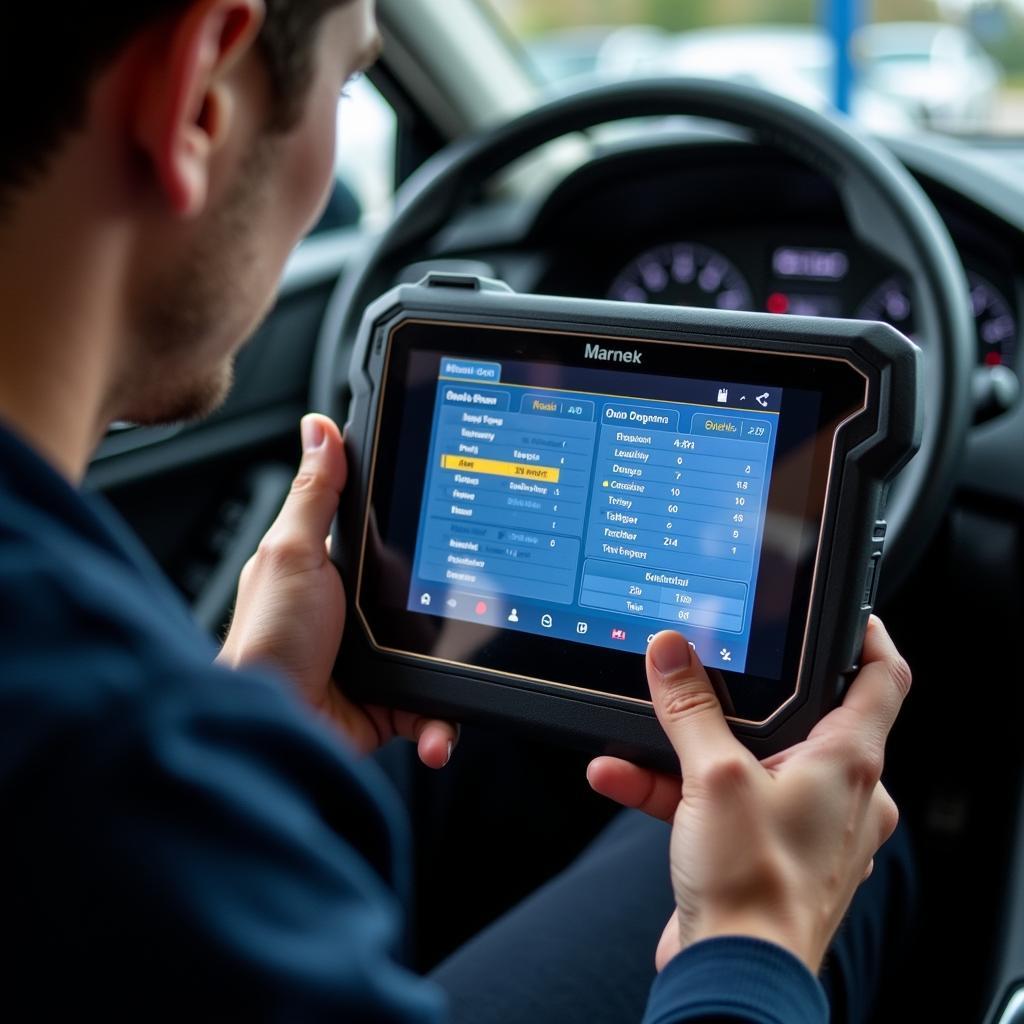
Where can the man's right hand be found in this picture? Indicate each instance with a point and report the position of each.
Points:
(775, 849)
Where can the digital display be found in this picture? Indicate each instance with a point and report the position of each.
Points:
(597, 511)
(810, 264)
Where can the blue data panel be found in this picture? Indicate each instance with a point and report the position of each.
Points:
(599, 518)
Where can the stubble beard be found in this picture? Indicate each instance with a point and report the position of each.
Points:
(197, 317)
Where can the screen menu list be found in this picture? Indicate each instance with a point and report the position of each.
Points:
(595, 517)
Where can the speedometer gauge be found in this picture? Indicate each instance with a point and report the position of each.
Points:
(994, 319)
(683, 274)
(997, 326)
(890, 303)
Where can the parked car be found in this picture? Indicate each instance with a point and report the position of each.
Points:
(938, 73)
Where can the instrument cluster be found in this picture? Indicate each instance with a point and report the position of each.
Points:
(807, 280)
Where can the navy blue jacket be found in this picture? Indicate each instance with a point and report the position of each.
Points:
(185, 842)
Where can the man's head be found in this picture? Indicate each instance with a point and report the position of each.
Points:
(194, 141)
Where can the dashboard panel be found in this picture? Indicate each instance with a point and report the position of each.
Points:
(698, 225)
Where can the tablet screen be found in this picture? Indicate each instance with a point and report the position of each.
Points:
(541, 503)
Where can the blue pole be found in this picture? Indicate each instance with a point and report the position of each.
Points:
(842, 18)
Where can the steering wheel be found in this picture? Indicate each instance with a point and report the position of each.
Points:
(885, 207)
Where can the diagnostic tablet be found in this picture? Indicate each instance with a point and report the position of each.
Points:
(540, 485)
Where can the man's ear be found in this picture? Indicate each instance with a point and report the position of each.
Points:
(185, 109)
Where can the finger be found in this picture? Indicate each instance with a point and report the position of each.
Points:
(435, 740)
(358, 724)
(887, 681)
(436, 743)
(632, 786)
(869, 871)
(686, 704)
(877, 694)
(307, 516)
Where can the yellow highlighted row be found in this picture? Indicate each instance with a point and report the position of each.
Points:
(492, 467)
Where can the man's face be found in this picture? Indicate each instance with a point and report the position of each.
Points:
(221, 275)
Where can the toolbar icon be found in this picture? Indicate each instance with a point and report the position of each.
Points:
(425, 600)
(546, 621)
(762, 400)
(582, 628)
(723, 395)
(618, 634)
(513, 616)
(725, 654)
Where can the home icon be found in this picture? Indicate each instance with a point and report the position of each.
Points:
(425, 600)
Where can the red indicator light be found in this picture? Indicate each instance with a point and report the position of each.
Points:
(777, 303)
(993, 359)
(481, 608)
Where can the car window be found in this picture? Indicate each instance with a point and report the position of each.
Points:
(367, 133)
(365, 162)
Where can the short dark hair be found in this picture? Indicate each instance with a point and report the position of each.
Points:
(43, 104)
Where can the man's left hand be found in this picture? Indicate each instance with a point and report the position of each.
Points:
(290, 611)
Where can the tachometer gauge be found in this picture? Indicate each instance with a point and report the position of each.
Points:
(683, 274)
(994, 319)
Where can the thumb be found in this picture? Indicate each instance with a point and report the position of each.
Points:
(305, 520)
(687, 705)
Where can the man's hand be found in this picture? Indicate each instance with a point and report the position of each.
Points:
(290, 611)
(774, 849)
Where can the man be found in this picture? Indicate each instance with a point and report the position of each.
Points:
(188, 835)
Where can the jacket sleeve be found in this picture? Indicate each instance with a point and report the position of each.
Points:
(739, 980)
(214, 853)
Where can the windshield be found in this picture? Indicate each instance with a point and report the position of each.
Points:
(942, 65)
